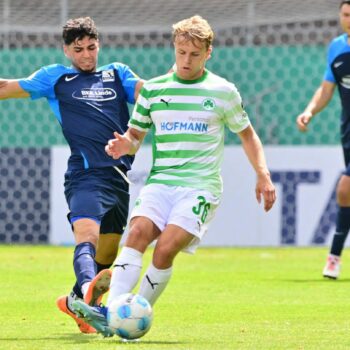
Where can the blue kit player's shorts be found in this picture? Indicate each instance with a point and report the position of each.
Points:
(100, 194)
(346, 153)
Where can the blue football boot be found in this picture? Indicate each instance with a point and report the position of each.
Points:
(95, 316)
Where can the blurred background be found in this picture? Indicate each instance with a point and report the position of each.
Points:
(273, 50)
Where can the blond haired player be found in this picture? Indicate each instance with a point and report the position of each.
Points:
(188, 110)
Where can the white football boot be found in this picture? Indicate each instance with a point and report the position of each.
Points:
(332, 268)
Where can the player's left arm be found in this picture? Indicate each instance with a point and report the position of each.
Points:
(131, 82)
(255, 153)
(10, 88)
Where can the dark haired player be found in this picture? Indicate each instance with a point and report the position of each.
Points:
(337, 74)
(90, 104)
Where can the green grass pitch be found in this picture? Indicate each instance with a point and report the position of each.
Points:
(260, 298)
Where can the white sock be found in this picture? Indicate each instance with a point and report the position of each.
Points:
(85, 287)
(154, 282)
(126, 273)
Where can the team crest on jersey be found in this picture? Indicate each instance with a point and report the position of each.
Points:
(208, 104)
(108, 75)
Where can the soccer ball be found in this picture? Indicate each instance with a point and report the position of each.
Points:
(130, 316)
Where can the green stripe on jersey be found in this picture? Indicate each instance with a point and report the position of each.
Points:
(185, 92)
(195, 107)
(186, 166)
(180, 174)
(142, 110)
(140, 124)
(185, 138)
(183, 154)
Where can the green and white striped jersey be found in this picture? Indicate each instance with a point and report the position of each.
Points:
(188, 119)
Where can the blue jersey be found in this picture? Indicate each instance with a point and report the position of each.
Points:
(338, 72)
(89, 108)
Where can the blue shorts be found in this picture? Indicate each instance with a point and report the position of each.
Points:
(346, 153)
(100, 194)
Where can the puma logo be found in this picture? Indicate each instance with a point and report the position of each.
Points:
(153, 285)
(164, 101)
(123, 266)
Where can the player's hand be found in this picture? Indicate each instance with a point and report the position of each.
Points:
(266, 189)
(118, 147)
(303, 120)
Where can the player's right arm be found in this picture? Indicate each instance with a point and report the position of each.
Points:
(139, 124)
(319, 101)
(129, 143)
(10, 88)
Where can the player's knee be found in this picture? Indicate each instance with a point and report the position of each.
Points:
(135, 233)
(343, 194)
(137, 238)
(343, 199)
(86, 231)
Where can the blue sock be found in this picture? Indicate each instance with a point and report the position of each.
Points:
(76, 288)
(84, 263)
(342, 230)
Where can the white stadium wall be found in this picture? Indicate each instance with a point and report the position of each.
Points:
(303, 215)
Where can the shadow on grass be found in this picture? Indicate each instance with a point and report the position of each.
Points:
(85, 339)
(317, 280)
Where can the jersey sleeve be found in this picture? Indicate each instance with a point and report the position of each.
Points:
(328, 75)
(41, 83)
(129, 80)
(141, 117)
(236, 117)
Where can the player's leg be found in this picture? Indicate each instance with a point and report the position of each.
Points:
(107, 249)
(148, 218)
(84, 254)
(171, 241)
(86, 232)
(107, 202)
(332, 268)
(125, 274)
(106, 253)
(191, 212)
(92, 284)
(87, 209)
(115, 220)
(127, 267)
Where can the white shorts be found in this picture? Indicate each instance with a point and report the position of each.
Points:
(191, 209)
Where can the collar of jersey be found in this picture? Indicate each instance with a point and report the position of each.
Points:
(183, 81)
